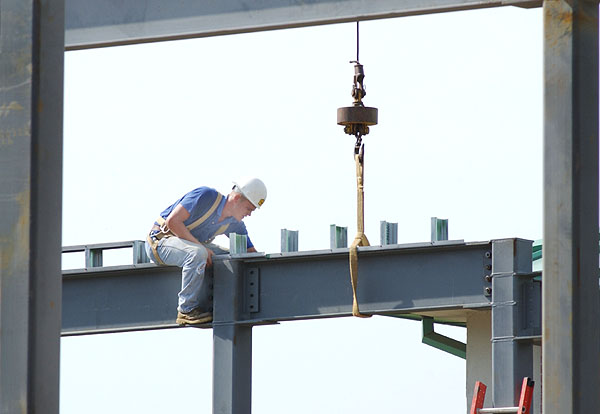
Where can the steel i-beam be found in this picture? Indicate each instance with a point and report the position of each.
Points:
(97, 23)
(31, 112)
(445, 278)
(516, 320)
(571, 361)
(232, 342)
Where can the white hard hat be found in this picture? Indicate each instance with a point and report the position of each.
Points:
(253, 189)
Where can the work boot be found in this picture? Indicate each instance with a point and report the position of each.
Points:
(193, 317)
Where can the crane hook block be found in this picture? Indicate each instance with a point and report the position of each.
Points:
(357, 118)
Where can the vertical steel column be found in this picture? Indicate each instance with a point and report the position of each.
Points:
(571, 342)
(232, 344)
(31, 115)
(512, 359)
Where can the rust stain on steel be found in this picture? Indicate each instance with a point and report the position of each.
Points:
(5, 108)
(15, 245)
(558, 20)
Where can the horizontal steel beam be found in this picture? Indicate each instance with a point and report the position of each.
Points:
(391, 279)
(285, 286)
(98, 23)
(119, 298)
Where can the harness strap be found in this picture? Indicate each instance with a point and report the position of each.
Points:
(207, 214)
(360, 239)
(221, 230)
(154, 244)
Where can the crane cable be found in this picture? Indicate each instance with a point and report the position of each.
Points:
(356, 121)
(360, 239)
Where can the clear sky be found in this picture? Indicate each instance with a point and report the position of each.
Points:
(459, 137)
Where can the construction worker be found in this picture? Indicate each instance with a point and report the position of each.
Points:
(183, 233)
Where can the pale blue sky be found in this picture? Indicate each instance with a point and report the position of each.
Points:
(460, 137)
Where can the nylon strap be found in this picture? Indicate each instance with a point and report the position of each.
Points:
(360, 239)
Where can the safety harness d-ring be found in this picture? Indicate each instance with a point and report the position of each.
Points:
(360, 239)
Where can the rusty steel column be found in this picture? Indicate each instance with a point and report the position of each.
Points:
(571, 341)
(31, 116)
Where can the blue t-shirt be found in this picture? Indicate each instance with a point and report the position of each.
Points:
(197, 202)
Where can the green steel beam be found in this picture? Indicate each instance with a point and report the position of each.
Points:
(441, 342)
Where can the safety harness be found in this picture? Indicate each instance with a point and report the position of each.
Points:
(155, 236)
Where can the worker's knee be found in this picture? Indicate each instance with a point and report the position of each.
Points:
(197, 258)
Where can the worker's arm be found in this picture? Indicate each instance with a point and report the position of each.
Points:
(175, 224)
(251, 250)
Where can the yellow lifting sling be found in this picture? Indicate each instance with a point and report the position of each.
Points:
(360, 239)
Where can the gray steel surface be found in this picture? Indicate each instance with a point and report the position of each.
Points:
(94, 253)
(286, 286)
(289, 240)
(512, 356)
(338, 236)
(388, 233)
(31, 167)
(120, 298)
(238, 243)
(393, 280)
(439, 229)
(232, 343)
(31, 111)
(571, 361)
(232, 369)
(255, 288)
(96, 23)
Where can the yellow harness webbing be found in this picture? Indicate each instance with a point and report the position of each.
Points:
(361, 238)
(207, 214)
(153, 245)
(166, 232)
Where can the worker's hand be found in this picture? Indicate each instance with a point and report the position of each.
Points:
(209, 258)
